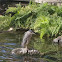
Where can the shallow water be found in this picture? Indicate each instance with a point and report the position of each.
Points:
(9, 41)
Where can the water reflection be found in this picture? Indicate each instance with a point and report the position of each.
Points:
(9, 41)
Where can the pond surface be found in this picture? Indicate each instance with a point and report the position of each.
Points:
(9, 41)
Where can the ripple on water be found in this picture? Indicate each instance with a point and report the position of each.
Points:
(2, 57)
(2, 48)
(3, 51)
(9, 43)
(7, 58)
(1, 60)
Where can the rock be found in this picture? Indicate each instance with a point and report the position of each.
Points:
(33, 52)
(17, 51)
(58, 39)
(22, 51)
(10, 29)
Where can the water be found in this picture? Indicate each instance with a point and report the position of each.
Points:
(9, 41)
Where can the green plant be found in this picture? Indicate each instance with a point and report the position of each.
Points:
(44, 19)
(41, 25)
(5, 22)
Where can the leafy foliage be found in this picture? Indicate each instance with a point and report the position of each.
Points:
(4, 22)
(11, 9)
(44, 19)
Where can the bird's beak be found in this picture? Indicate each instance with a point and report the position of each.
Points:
(33, 33)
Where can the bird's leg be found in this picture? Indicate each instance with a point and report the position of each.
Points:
(27, 45)
(27, 49)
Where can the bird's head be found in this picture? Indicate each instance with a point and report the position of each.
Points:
(32, 31)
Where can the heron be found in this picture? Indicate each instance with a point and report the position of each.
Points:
(26, 39)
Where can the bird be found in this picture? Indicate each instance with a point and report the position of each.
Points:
(26, 39)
